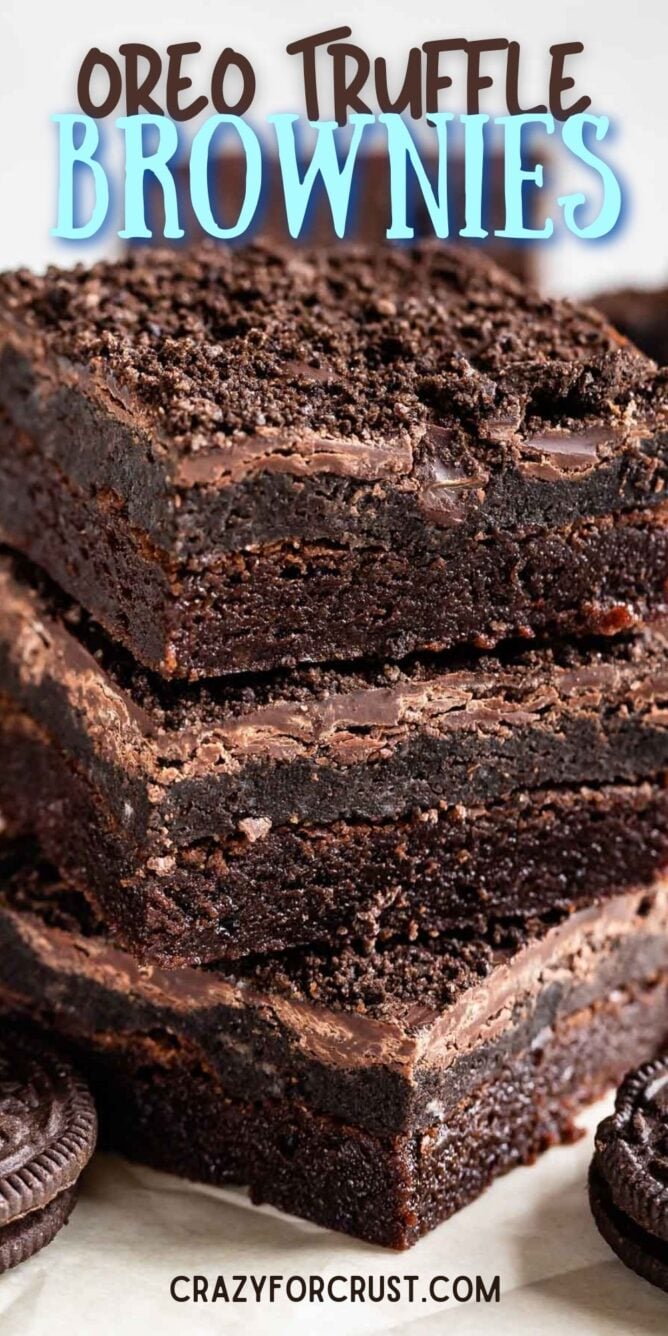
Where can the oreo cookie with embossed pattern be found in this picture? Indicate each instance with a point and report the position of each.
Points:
(48, 1128)
(628, 1179)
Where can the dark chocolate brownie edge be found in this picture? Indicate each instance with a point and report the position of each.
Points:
(442, 871)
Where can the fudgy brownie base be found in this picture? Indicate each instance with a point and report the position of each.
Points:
(265, 605)
(436, 872)
(212, 820)
(373, 1093)
(240, 461)
(387, 1191)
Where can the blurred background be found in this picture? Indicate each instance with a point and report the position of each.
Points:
(622, 69)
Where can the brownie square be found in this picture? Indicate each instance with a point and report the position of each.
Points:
(242, 459)
(214, 819)
(374, 1092)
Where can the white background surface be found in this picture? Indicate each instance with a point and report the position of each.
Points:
(622, 68)
(108, 1272)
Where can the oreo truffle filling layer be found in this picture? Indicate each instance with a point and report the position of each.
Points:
(374, 1092)
(389, 799)
(238, 461)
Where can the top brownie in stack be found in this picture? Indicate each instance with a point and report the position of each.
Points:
(237, 460)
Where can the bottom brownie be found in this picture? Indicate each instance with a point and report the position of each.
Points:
(375, 1092)
(388, 1191)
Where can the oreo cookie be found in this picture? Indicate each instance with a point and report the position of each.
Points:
(48, 1128)
(628, 1178)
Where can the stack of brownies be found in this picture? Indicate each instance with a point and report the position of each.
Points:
(334, 690)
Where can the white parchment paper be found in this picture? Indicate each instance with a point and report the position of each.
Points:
(109, 1271)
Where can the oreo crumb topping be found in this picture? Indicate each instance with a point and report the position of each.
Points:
(215, 341)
